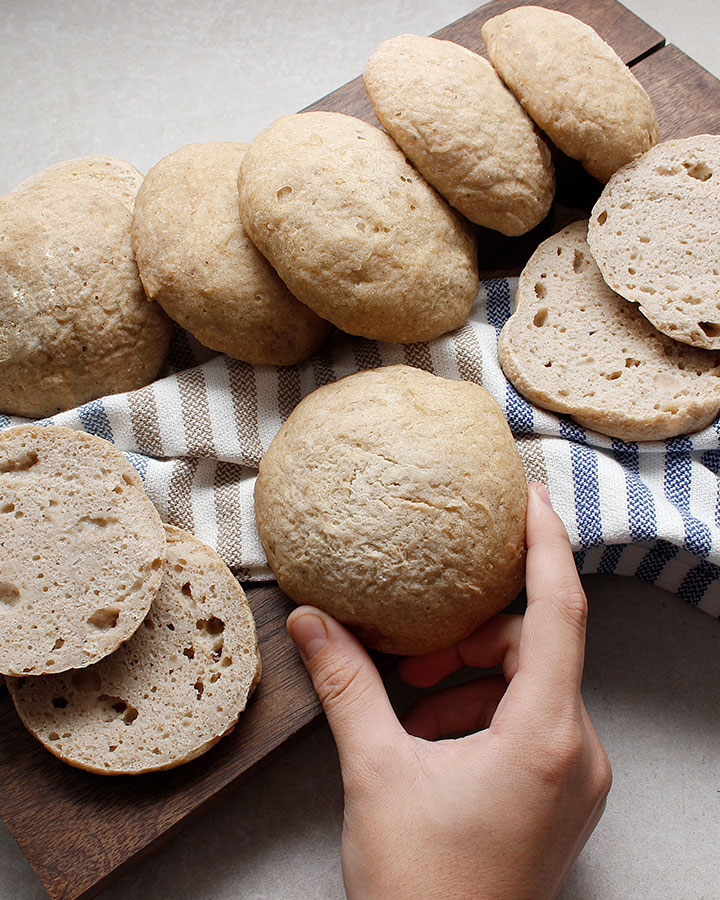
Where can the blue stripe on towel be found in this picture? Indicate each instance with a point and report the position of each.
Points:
(676, 484)
(697, 581)
(711, 460)
(518, 411)
(586, 484)
(655, 560)
(94, 419)
(642, 518)
(610, 558)
(139, 462)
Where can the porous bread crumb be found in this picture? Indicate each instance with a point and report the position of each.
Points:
(574, 346)
(169, 693)
(81, 549)
(655, 234)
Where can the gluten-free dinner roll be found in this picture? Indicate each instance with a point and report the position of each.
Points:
(395, 500)
(75, 323)
(354, 230)
(574, 86)
(464, 130)
(197, 261)
(168, 694)
(655, 234)
(574, 346)
(116, 177)
(82, 549)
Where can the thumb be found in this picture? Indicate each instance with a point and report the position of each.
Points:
(346, 681)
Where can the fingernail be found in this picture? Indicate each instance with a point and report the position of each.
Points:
(541, 492)
(309, 633)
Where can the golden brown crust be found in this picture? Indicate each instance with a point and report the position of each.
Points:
(75, 323)
(353, 229)
(574, 86)
(197, 261)
(395, 500)
(464, 130)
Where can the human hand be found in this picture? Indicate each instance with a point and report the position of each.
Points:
(501, 813)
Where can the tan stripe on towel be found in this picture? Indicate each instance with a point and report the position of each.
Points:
(199, 438)
(145, 421)
(243, 389)
(468, 352)
(180, 509)
(288, 389)
(418, 356)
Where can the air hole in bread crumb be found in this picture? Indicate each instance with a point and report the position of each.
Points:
(58, 644)
(214, 677)
(9, 593)
(53, 736)
(227, 661)
(59, 702)
(21, 463)
(548, 364)
(189, 652)
(644, 239)
(156, 564)
(611, 376)
(86, 680)
(631, 363)
(7, 508)
(199, 688)
(540, 291)
(186, 589)
(700, 170)
(711, 329)
(112, 748)
(540, 316)
(284, 193)
(104, 619)
(213, 625)
(130, 715)
(578, 260)
(602, 217)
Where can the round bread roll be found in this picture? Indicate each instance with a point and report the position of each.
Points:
(574, 346)
(395, 500)
(118, 178)
(81, 549)
(196, 260)
(167, 695)
(573, 85)
(464, 130)
(354, 231)
(74, 321)
(655, 234)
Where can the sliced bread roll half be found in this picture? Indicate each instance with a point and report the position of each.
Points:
(655, 234)
(168, 694)
(575, 346)
(81, 549)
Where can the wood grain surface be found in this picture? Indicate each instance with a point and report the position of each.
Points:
(79, 830)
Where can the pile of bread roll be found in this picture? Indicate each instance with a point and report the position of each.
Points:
(325, 221)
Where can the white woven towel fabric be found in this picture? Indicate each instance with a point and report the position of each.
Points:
(649, 510)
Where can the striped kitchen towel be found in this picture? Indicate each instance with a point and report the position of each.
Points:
(196, 436)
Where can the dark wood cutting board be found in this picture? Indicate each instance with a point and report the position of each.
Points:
(80, 831)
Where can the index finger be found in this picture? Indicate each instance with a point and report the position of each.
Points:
(552, 643)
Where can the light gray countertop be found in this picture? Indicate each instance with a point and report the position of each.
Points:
(139, 79)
